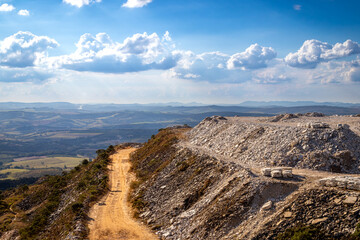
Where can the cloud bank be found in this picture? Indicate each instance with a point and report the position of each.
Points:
(315, 62)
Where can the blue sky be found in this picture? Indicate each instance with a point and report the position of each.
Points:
(209, 51)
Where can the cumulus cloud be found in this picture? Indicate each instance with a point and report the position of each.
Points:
(210, 66)
(6, 7)
(24, 49)
(80, 3)
(24, 12)
(220, 67)
(101, 54)
(136, 3)
(312, 52)
(254, 57)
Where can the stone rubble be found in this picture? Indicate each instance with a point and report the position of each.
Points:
(345, 182)
(302, 142)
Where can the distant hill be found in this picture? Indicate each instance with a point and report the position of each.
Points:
(163, 106)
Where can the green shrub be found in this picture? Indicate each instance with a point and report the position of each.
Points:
(301, 233)
(77, 207)
(81, 185)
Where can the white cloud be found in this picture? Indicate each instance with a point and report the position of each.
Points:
(80, 3)
(137, 53)
(23, 12)
(6, 7)
(220, 67)
(136, 3)
(210, 66)
(313, 52)
(24, 49)
(254, 57)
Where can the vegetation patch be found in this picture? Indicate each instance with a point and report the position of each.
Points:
(301, 233)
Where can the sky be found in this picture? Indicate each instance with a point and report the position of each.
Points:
(206, 51)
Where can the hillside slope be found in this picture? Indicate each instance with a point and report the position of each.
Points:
(55, 207)
(206, 183)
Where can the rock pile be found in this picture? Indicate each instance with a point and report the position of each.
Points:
(345, 182)
(303, 143)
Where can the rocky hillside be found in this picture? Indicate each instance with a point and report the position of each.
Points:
(206, 182)
(56, 206)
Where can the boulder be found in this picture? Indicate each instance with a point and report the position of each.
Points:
(276, 173)
(319, 220)
(287, 214)
(287, 174)
(350, 200)
(267, 206)
(266, 172)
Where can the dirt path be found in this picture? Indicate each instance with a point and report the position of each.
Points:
(112, 218)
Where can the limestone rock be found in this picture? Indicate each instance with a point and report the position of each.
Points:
(276, 173)
(267, 206)
(350, 200)
(288, 214)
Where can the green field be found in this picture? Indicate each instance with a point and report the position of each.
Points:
(48, 162)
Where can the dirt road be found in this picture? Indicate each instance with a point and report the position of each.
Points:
(112, 218)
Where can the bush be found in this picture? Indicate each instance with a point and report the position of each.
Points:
(84, 162)
(76, 207)
(81, 185)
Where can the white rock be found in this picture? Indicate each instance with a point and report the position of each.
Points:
(267, 206)
(287, 174)
(276, 173)
(266, 172)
